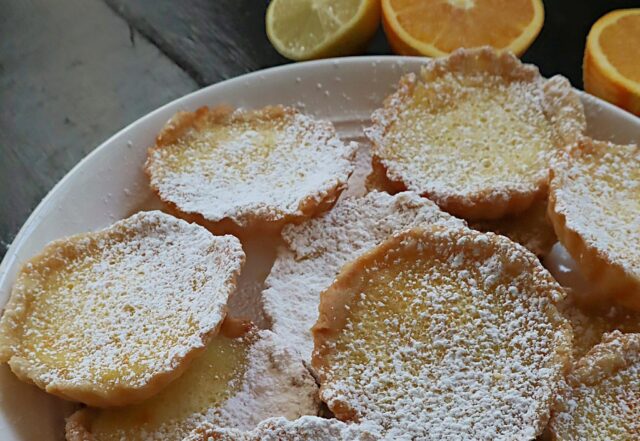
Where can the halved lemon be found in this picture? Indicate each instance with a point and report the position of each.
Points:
(437, 27)
(308, 29)
(611, 68)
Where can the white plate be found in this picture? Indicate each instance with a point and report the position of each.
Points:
(109, 184)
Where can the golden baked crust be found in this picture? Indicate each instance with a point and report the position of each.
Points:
(306, 428)
(602, 397)
(531, 228)
(589, 324)
(111, 317)
(315, 250)
(237, 170)
(443, 333)
(237, 382)
(594, 205)
(378, 180)
(474, 132)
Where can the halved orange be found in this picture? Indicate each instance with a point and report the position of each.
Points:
(438, 27)
(611, 68)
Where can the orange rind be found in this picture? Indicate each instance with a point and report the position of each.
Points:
(435, 28)
(611, 68)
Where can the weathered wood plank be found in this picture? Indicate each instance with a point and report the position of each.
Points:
(71, 74)
(212, 40)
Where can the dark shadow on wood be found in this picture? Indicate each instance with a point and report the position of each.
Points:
(211, 40)
(218, 39)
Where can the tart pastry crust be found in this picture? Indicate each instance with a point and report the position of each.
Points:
(238, 170)
(602, 395)
(594, 205)
(474, 132)
(111, 317)
(236, 383)
(443, 333)
(532, 228)
(316, 250)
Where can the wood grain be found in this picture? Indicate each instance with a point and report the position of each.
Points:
(67, 84)
(211, 39)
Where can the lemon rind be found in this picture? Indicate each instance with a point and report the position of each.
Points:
(368, 14)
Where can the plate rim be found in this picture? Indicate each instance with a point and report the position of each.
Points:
(23, 231)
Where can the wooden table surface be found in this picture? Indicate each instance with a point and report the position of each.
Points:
(73, 72)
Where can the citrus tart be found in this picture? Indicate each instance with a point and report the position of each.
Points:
(443, 333)
(242, 170)
(600, 400)
(475, 132)
(315, 250)
(237, 382)
(111, 317)
(594, 206)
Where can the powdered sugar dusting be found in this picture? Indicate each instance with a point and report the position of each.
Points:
(596, 187)
(317, 249)
(263, 164)
(448, 334)
(281, 429)
(356, 186)
(472, 128)
(114, 309)
(275, 383)
(564, 109)
(264, 379)
(601, 395)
